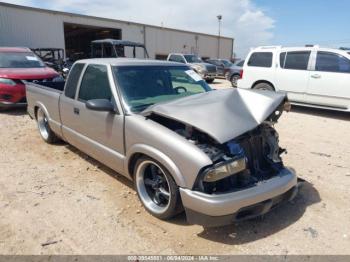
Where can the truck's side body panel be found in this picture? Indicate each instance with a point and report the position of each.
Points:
(48, 100)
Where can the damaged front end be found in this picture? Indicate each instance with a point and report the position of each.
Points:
(247, 177)
(237, 164)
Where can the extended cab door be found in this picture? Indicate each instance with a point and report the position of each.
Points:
(99, 134)
(330, 81)
(292, 75)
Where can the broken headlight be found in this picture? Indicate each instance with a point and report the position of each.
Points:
(222, 170)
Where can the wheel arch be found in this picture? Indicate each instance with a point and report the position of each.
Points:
(42, 107)
(263, 81)
(139, 150)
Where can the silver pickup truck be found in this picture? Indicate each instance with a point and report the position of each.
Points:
(212, 153)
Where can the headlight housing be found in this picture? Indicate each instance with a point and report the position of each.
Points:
(222, 170)
(7, 81)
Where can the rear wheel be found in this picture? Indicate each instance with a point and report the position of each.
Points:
(210, 80)
(264, 86)
(156, 189)
(44, 129)
(234, 80)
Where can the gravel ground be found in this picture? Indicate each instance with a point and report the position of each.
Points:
(56, 200)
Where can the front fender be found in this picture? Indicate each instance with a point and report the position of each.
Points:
(158, 156)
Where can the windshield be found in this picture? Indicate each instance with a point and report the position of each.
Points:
(193, 59)
(20, 60)
(143, 86)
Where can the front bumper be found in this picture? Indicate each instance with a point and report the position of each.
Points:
(6, 104)
(223, 209)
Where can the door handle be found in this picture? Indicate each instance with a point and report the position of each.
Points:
(76, 111)
(316, 76)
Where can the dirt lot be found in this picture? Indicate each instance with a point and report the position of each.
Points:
(56, 195)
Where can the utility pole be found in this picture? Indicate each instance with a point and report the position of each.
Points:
(219, 17)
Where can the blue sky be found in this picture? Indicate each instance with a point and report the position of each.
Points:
(250, 22)
(309, 22)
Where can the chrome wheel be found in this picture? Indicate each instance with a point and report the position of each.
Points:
(153, 187)
(43, 124)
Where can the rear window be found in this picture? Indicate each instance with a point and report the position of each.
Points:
(72, 81)
(260, 59)
(20, 60)
(296, 60)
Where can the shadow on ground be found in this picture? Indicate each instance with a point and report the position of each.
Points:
(242, 232)
(321, 112)
(269, 224)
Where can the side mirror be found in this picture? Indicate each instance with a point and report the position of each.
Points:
(100, 105)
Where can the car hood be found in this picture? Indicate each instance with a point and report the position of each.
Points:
(204, 65)
(222, 114)
(28, 73)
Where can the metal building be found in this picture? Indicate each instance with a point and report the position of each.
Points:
(40, 28)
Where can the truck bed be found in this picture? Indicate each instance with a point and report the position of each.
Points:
(46, 95)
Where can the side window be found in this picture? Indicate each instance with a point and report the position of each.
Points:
(94, 84)
(172, 58)
(72, 81)
(297, 60)
(282, 59)
(260, 59)
(176, 58)
(331, 62)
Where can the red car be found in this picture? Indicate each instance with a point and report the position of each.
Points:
(16, 65)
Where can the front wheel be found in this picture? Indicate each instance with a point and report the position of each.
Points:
(156, 189)
(44, 129)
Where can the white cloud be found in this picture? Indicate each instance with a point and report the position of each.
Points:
(242, 19)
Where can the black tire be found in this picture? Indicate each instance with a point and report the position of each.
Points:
(234, 79)
(210, 81)
(264, 86)
(44, 128)
(143, 172)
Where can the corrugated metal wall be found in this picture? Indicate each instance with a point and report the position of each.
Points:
(40, 28)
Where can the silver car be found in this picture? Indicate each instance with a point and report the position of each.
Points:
(214, 154)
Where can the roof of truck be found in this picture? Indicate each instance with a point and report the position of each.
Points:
(129, 62)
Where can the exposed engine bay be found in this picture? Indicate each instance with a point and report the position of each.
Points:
(239, 163)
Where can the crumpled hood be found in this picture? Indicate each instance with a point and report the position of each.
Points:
(222, 114)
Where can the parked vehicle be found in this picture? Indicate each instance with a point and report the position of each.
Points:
(148, 120)
(312, 76)
(234, 73)
(17, 65)
(54, 58)
(222, 65)
(205, 70)
(117, 48)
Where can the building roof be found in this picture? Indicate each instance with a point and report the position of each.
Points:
(106, 19)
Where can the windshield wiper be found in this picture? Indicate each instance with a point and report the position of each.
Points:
(142, 107)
